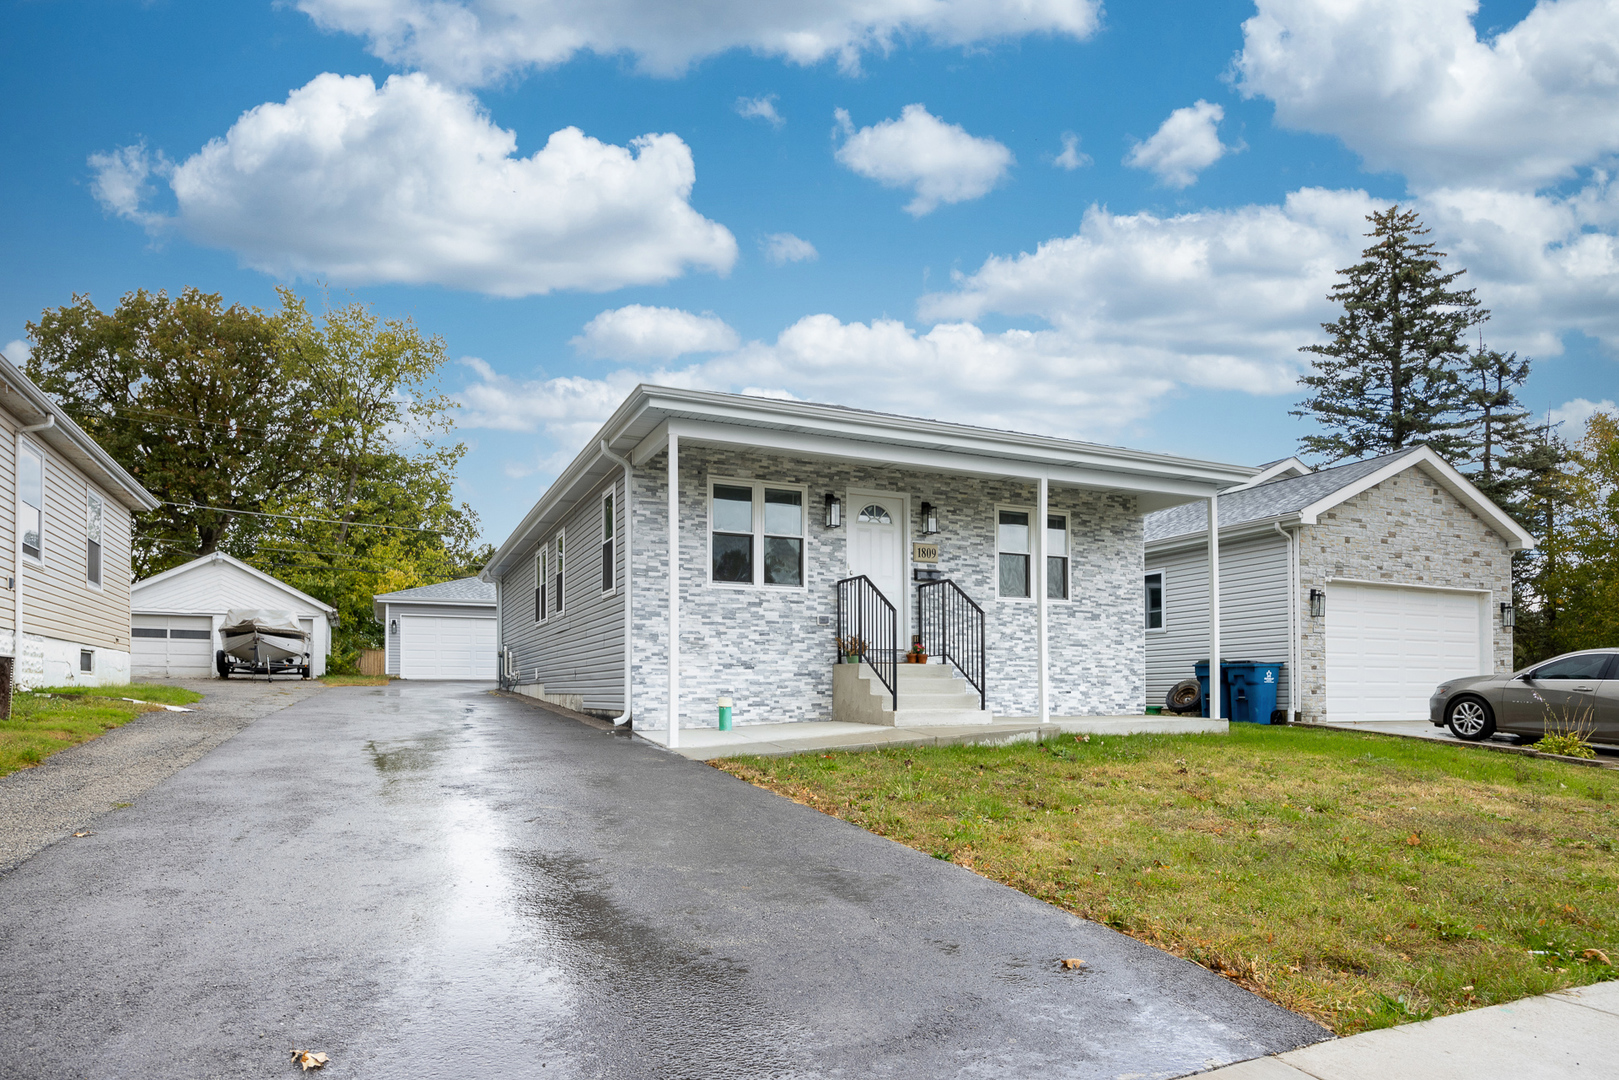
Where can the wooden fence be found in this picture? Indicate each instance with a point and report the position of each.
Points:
(372, 662)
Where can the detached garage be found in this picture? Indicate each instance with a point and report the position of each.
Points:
(1373, 582)
(176, 615)
(443, 631)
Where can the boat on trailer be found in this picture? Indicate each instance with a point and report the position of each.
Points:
(260, 641)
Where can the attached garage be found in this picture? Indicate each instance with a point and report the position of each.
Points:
(442, 631)
(1387, 648)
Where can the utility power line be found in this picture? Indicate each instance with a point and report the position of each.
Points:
(300, 518)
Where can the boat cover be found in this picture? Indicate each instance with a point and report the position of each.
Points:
(263, 621)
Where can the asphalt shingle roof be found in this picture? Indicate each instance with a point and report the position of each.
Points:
(468, 589)
(1270, 499)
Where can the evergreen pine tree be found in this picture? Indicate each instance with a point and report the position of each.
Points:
(1392, 374)
(1505, 442)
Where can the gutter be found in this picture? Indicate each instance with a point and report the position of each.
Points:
(629, 580)
(1292, 621)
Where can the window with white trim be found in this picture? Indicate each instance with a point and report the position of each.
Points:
(756, 533)
(92, 543)
(609, 546)
(556, 575)
(539, 584)
(1056, 556)
(87, 661)
(1012, 553)
(31, 501)
(1155, 600)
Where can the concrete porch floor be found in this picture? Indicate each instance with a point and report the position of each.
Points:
(706, 744)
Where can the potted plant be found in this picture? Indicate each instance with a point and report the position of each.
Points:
(917, 655)
(852, 649)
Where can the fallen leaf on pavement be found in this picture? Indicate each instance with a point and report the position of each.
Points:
(84, 832)
(308, 1060)
(1073, 963)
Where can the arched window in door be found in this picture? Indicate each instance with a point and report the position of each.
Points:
(875, 514)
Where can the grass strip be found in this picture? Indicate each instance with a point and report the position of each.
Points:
(354, 680)
(1362, 880)
(57, 717)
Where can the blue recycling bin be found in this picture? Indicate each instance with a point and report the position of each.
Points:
(1202, 669)
(1253, 690)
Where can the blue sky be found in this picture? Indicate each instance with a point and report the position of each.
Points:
(936, 251)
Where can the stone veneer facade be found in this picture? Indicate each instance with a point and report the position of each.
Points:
(770, 651)
(1406, 530)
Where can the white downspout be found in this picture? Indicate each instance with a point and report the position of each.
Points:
(629, 578)
(16, 522)
(1292, 624)
(1214, 607)
(674, 590)
(1040, 600)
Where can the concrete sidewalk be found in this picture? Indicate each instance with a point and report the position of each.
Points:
(1572, 1033)
(771, 740)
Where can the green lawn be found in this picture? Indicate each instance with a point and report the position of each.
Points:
(1363, 880)
(354, 680)
(57, 717)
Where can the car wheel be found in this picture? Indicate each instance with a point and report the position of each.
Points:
(1470, 719)
(1184, 696)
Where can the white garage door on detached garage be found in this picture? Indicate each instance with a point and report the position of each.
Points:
(1388, 648)
(172, 646)
(446, 647)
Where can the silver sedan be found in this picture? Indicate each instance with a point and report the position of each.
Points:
(1575, 691)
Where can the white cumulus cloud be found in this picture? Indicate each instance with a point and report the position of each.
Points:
(1071, 158)
(1184, 145)
(1412, 88)
(1572, 416)
(638, 332)
(412, 183)
(783, 247)
(938, 161)
(760, 108)
(474, 41)
(17, 352)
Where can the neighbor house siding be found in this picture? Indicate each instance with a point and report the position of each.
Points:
(582, 651)
(1253, 610)
(772, 649)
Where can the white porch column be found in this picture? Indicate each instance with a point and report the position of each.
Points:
(674, 589)
(1040, 601)
(1214, 607)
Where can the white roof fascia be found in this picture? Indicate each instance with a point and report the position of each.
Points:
(70, 440)
(1289, 468)
(380, 602)
(220, 556)
(1441, 470)
(1228, 534)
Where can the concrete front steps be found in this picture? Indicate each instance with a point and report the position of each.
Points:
(930, 695)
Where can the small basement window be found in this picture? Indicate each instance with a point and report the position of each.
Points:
(87, 661)
(1155, 601)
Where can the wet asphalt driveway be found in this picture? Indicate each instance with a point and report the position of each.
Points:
(429, 880)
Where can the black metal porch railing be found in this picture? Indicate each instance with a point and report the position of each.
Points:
(868, 626)
(952, 626)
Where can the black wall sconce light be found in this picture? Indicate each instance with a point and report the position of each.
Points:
(930, 519)
(1509, 617)
(834, 511)
(1318, 603)
(393, 626)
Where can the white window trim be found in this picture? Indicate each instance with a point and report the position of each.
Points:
(559, 594)
(39, 452)
(758, 487)
(542, 580)
(609, 495)
(92, 493)
(1163, 601)
(1067, 556)
(995, 566)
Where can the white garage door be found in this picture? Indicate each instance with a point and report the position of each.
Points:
(1387, 648)
(435, 647)
(172, 646)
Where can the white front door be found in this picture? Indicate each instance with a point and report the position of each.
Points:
(877, 545)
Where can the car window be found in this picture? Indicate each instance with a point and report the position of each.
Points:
(1585, 666)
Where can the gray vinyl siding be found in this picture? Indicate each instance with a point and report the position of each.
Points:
(1253, 611)
(393, 611)
(582, 651)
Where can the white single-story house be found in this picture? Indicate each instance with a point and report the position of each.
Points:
(64, 594)
(1016, 559)
(442, 631)
(177, 614)
(1372, 582)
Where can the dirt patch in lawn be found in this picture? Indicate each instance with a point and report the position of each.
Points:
(1362, 880)
(56, 718)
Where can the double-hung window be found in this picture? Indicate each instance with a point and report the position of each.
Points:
(92, 531)
(756, 534)
(1012, 552)
(1056, 556)
(556, 577)
(609, 574)
(539, 584)
(31, 501)
(1155, 601)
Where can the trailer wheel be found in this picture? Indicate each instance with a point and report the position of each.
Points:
(305, 671)
(221, 664)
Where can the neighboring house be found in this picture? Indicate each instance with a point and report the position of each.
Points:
(1372, 581)
(177, 615)
(779, 502)
(443, 631)
(65, 590)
